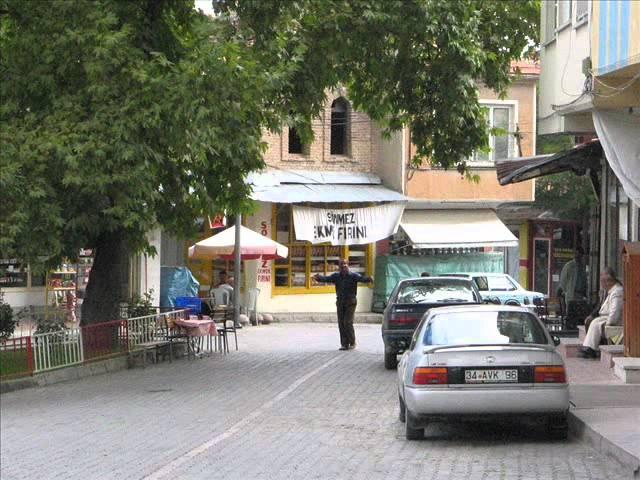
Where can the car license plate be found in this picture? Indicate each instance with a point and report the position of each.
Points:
(491, 376)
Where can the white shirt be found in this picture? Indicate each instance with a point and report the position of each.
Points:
(613, 305)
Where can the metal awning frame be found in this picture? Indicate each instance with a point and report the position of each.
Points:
(580, 160)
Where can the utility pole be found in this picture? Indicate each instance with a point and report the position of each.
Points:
(236, 272)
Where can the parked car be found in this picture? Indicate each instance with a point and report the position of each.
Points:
(482, 361)
(504, 288)
(410, 300)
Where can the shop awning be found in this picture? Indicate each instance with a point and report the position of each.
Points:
(577, 159)
(300, 186)
(456, 228)
(296, 193)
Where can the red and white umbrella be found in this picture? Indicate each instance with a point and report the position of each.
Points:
(253, 246)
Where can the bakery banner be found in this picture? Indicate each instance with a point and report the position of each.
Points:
(347, 226)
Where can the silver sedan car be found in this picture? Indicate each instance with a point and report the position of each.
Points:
(478, 361)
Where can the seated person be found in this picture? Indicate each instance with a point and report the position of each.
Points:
(224, 283)
(609, 313)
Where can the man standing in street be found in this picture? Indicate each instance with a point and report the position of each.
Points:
(346, 283)
(573, 284)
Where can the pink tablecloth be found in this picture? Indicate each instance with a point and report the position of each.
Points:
(196, 327)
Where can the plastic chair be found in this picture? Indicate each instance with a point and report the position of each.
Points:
(252, 303)
(219, 296)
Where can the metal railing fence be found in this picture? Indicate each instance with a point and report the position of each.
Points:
(48, 351)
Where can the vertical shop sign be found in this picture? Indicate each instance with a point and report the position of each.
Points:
(264, 270)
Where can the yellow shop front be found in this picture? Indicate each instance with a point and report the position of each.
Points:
(320, 218)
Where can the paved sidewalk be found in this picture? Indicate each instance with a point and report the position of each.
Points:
(287, 406)
(606, 411)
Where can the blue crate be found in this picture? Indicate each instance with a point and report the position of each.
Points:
(192, 303)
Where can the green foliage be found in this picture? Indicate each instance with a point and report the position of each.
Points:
(553, 144)
(404, 62)
(568, 196)
(118, 116)
(8, 321)
(121, 115)
(49, 323)
(565, 194)
(141, 306)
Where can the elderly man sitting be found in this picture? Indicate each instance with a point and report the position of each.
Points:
(609, 313)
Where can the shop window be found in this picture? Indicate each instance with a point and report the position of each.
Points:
(501, 122)
(16, 274)
(339, 127)
(306, 260)
(13, 273)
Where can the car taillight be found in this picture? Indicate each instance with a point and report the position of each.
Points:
(401, 318)
(430, 376)
(550, 375)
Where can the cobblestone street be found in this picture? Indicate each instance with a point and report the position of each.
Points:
(288, 405)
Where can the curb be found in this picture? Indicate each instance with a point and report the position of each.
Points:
(65, 374)
(359, 318)
(585, 433)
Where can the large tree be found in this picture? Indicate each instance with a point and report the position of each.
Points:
(118, 116)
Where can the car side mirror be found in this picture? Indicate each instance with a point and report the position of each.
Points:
(379, 305)
(556, 340)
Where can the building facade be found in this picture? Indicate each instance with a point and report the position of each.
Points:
(337, 171)
(438, 197)
(590, 88)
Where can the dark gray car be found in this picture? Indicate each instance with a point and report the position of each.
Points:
(410, 300)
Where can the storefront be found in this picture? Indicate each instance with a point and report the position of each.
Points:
(20, 285)
(320, 217)
(438, 238)
(551, 245)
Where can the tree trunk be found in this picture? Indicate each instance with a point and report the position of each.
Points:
(108, 281)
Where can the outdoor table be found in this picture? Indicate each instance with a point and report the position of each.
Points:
(197, 328)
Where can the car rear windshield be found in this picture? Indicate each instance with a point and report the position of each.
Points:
(484, 328)
(436, 291)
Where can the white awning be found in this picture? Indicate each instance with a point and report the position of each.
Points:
(325, 193)
(456, 228)
(618, 134)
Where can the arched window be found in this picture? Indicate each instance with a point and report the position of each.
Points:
(339, 127)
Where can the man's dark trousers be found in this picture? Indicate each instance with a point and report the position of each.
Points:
(346, 310)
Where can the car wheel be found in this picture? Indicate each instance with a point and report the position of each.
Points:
(513, 303)
(390, 360)
(558, 427)
(402, 416)
(410, 431)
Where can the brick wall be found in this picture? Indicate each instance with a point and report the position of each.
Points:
(363, 152)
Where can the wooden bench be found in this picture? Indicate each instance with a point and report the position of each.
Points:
(150, 350)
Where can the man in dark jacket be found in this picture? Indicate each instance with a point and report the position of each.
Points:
(346, 283)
